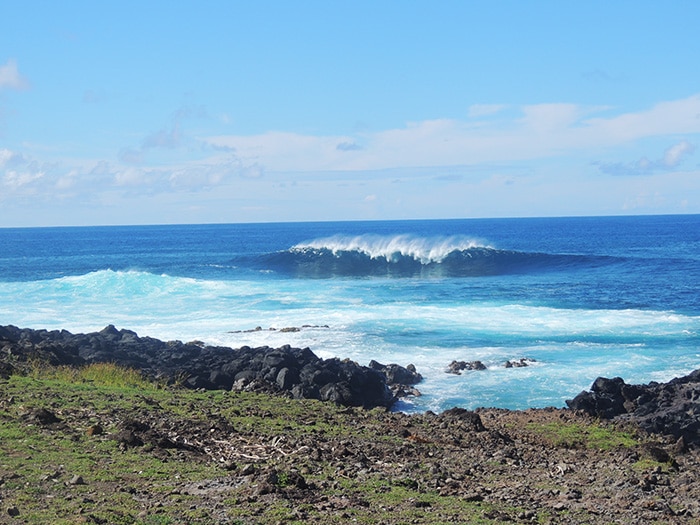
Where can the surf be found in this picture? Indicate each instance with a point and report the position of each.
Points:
(406, 256)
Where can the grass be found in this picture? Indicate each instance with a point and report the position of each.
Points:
(102, 374)
(38, 461)
(149, 485)
(576, 435)
(651, 465)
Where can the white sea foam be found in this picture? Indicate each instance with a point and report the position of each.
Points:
(369, 320)
(425, 250)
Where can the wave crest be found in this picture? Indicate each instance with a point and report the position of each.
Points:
(391, 248)
(409, 256)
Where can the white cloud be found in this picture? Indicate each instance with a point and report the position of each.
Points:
(14, 179)
(19, 175)
(172, 137)
(10, 76)
(672, 158)
(675, 154)
(469, 160)
(23, 177)
(539, 131)
(7, 157)
(287, 151)
(670, 117)
(133, 177)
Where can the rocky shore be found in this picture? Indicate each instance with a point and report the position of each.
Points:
(296, 372)
(671, 408)
(619, 454)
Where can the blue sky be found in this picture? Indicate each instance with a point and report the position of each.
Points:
(221, 111)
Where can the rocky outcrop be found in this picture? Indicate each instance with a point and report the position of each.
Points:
(293, 371)
(400, 379)
(519, 363)
(456, 367)
(671, 408)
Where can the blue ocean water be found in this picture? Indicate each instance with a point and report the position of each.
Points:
(581, 297)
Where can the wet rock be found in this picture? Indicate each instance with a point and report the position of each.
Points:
(399, 379)
(400, 391)
(338, 393)
(287, 378)
(519, 363)
(397, 374)
(457, 367)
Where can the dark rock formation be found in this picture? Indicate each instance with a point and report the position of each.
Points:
(397, 374)
(294, 371)
(400, 379)
(519, 363)
(456, 367)
(671, 408)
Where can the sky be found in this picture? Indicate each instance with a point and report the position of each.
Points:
(160, 112)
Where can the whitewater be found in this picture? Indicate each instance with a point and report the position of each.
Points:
(577, 298)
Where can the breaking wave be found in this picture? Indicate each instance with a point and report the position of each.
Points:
(410, 256)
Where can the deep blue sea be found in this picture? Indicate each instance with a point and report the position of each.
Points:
(581, 297)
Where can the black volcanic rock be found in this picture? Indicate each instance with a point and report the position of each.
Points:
(456, 367)
(671, 408)
(295, 371)
(397, 374)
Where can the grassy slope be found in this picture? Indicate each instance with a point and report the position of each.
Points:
(223, 457)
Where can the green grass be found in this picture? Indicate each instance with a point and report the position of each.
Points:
(36, 462)
(650, 465)
(101, 374)
(576, 435)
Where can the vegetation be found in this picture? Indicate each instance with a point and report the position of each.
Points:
(592, 435)
(100, 374)
(101, 444)
(64, 472)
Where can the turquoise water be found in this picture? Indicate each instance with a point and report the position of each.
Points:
(583, 297)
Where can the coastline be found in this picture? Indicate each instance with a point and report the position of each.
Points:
(668, 409)
(274, 459)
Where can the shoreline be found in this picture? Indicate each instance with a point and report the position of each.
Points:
(157, 454)
(667, 409)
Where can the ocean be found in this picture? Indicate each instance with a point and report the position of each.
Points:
(576, 298)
